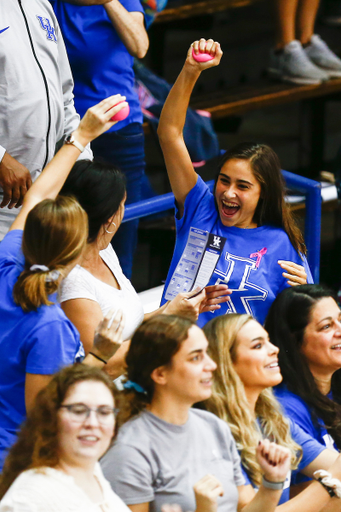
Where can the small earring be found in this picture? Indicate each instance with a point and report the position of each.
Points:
(110, 232)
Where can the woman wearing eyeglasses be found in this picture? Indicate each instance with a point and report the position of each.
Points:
(53, 465)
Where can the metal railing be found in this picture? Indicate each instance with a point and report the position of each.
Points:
(309, 188)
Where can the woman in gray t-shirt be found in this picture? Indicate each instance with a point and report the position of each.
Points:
(166, 447)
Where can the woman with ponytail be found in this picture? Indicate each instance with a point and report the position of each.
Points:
(44, 243)
(167, 452)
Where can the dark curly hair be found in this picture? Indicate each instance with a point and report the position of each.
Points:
(37, 443)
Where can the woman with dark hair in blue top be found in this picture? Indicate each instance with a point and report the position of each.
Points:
(240, 234)
(305, 323)
(44, 243)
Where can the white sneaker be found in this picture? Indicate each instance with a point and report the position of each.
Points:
(321, 55)
(293, 65)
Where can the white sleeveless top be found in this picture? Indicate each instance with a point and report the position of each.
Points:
(81, 284)
(50, 490)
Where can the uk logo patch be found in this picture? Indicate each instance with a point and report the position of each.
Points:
(46, 25)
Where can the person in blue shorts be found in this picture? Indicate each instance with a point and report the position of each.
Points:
(247, 368)
(44, 243)
(243, 234)
(305, 323)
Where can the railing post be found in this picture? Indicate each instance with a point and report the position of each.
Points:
(312, 190)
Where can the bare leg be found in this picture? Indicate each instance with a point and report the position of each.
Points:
(285, 13)
(306, 15)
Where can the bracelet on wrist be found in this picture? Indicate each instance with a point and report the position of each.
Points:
(70, 139)
(331, 485)
(275, 486)
(98, 357)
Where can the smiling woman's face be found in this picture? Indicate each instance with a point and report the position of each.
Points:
(81, 442)
(256, 359)
(322, 338)
(237, 194)
(189, 376)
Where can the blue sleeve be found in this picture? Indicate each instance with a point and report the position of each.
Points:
(310, 447)
(298, 412)
(246, 477)
(132, 5)
(51, 347)
(310, 279)
(10, 248)
(196, 203)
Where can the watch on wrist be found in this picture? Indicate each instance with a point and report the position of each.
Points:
(73, 142)
(275, 486)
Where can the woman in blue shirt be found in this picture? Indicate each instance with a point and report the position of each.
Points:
(305, 324)
(241, 233)
(44, 243)
(247, 368)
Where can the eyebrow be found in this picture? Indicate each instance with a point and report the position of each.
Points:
(260, 338)
(196, 351)
(327, 318)
(238, 180)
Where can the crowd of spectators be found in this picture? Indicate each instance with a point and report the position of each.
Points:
(199, 428)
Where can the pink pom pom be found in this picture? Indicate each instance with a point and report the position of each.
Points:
(201, 57)
(122, 114)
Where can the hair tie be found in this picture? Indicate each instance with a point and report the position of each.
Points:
(53, 275)
(133, 385)
(42, 268)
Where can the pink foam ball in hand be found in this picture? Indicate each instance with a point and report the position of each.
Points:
(122, 114)
(201, 57)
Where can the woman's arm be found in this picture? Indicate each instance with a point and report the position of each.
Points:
(85, 314)
(275, 463)
(95, 122)
(141, 507)
(33, 384)
(182, 175)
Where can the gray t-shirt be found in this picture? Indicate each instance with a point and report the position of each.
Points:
(158, 462)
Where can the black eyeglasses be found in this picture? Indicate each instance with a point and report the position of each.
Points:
(80, 412)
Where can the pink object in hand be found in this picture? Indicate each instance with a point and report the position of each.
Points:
(201, 57)
(122, 114)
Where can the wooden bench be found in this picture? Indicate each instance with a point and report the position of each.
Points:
(180, 11)
(245, 98)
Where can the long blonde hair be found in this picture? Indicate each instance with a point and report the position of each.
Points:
(228, 400)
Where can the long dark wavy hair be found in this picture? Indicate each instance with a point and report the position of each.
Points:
(272, 208)
(286, 322)
(37, 443)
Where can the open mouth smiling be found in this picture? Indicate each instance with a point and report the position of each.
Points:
(229, 208)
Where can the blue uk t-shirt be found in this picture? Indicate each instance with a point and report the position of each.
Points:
(37, 342)
(101, 65)
(247, 263)
(310, 450)
(300, 414)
